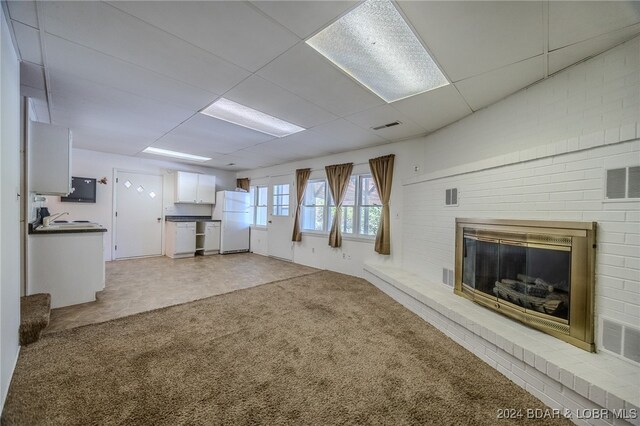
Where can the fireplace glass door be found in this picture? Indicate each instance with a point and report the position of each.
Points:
(535, 277)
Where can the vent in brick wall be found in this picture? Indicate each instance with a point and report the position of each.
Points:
(447, 276)
(632, 344)
(623, 183)
(612, 336)
(451, 197)
(621, 339)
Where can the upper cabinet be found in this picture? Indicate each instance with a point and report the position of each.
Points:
(49, 154)
(195, 188)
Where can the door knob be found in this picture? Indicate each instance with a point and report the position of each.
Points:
(270, 222)
(159, 219)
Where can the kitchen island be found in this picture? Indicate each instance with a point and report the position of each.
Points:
(66, 262)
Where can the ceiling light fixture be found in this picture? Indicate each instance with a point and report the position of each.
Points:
(233, 112)
(175, 154)
(375, 45)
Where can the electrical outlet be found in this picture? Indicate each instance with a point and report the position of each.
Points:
(344, 255)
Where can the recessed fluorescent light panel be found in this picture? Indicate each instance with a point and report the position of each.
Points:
(233, 112)
(375, 45)
(175, 154)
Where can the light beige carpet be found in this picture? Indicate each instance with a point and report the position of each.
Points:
(321, 349)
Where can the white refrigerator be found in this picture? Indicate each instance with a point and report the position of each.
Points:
(232, 209)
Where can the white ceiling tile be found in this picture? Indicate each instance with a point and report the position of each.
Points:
(385, 114)
(566, 56)
(575, 21)
(32, 75)
(74, 59)
(102, 27)
(308, 74)
(28, 39)
(87, 104)
(304, 17)
(108, 141)
(434, 109)
(264, 96)
(233, 30)
(469, 38)
(197, 145)
(488, 88)
(211, 135)
(23, 11)
(262, 153)
(348, 136)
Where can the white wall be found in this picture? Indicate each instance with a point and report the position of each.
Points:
(95, 164)
(541, 154)
(538, 154)
(9, 208)
(314, 249)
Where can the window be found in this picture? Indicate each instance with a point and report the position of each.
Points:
(313, 205)
(370, 207)
(258, 205)
(281, 200)
(348, 207)
(361, 208)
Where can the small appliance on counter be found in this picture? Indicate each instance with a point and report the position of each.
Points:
(41, 213)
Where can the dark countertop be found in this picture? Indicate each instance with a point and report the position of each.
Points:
(189, 219)
(33, 231)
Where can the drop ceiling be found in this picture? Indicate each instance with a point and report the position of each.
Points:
(128, 75)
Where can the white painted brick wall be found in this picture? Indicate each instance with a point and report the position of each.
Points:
(540, 154)
(560, 188)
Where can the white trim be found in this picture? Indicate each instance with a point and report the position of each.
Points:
(550, 150)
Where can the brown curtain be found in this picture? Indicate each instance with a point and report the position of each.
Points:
(382, 172)
(302, 176)
(243, 183)
(338, 179)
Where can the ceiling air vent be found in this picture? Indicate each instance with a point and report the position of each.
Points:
(384, 126)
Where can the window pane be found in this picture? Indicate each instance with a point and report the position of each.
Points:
(368, 192)
(262, 195)
(281, 200)
(261, 215)
(252, 204)
(369, 220)
(314, 195)
(347, 219)
(350, 196)
(313, 218)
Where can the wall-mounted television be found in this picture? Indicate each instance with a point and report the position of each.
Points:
(83, 190)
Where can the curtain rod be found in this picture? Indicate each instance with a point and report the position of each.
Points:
(294, 170)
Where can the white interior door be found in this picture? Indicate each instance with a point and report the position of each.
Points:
(138, 215)
(280, 217)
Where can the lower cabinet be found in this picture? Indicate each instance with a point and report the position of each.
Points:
(180, 239)
(69, 266)
(207, 237)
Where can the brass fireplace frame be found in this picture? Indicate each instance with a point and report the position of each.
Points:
(578, 237)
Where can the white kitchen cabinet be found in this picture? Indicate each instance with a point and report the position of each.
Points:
(195, 188)
(49, 159)
(67, 265)
(206, 193)
(180, 239)
(208, 237)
